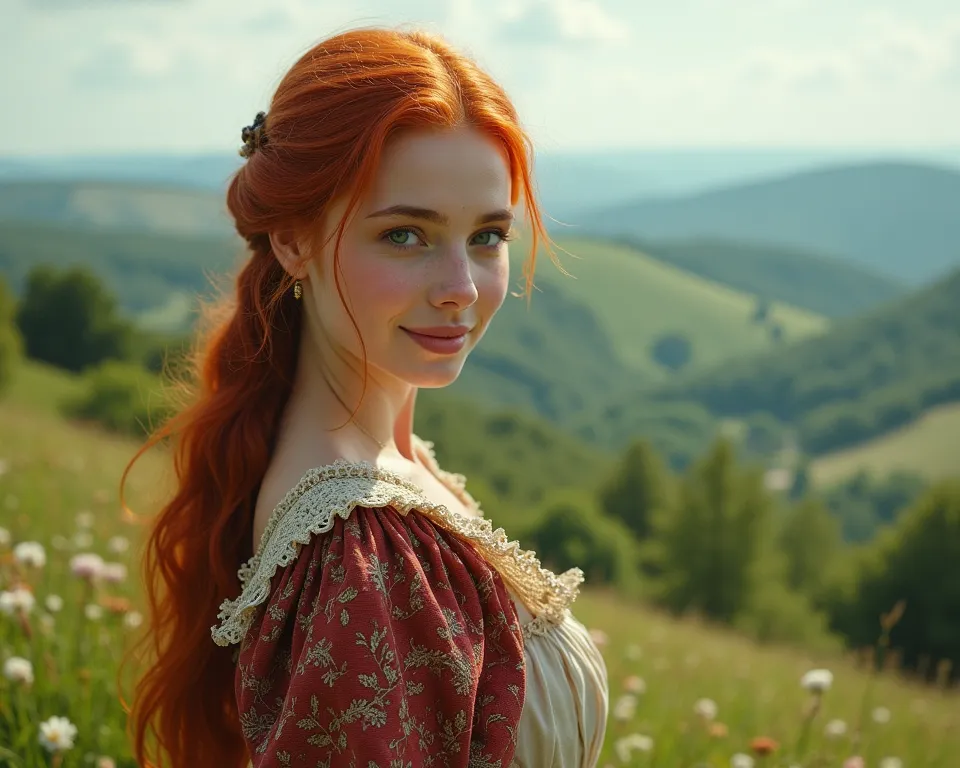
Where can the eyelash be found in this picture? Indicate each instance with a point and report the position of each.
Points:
(504, 236)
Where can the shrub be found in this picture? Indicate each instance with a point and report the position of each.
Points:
(120, 397)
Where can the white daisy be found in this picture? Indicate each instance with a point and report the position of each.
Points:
(57, 734)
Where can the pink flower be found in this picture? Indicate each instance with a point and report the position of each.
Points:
(854, 762)
(86, 566)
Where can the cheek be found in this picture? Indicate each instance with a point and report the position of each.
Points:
(375, 287)
(493, 283)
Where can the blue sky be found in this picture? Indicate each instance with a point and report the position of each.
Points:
(186, 75)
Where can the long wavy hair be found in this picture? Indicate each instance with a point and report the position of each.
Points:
(326, 129)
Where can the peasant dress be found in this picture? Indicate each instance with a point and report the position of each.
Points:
(377, 629)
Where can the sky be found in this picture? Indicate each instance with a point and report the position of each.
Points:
(119, 76)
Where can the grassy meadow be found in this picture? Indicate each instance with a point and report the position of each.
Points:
(638, 298)
(58, 487)
(927, 447)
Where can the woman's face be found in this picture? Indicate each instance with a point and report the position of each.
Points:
(423, 261)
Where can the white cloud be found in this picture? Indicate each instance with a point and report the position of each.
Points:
(559, 21)
(185, 74)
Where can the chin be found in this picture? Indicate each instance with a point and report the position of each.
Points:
(441, 374)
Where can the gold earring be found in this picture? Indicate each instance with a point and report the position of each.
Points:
(297, 290)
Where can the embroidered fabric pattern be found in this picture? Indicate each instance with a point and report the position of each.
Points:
(389, 641)
(325, 493)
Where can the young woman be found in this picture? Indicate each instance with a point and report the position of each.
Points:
(369, 615)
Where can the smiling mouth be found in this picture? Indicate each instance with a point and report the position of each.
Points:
(441, 341)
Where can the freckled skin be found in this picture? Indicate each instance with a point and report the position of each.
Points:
(455, 274)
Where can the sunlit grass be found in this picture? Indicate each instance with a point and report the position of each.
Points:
(928, 447)
(58, 487)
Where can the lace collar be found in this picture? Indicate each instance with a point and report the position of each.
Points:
(334, 490)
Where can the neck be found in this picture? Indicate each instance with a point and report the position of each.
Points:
(328, 388)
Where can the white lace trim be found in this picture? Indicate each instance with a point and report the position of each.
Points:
(332, 491)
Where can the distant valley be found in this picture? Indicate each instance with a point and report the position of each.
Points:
(663, 305)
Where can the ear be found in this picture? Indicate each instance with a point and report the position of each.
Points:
(288, 248)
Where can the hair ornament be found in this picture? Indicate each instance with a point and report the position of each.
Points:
(254, 135)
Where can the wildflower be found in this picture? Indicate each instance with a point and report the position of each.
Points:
(114, 572)
(817, 680)
(4, 537)
(93, 612)
(132, 620)
(741, 760)
(57, 734)
(86, 565)
(83, 539)
(599, 637)
(19, 670)
(763, 745)
(105, 762)
(717, 730)
(19, 599)
(54, 603)
(854, 762)
(115, 604)
(625, 746)
(835, 729)
(30, 553)
(634, 684)
(84, 519)
(891, 762)
(118, 544)
(59, 542)
(706, 708)
(47, 623)
(625, 707)
(881, 715)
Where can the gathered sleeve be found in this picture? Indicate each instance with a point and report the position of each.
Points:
(390, 642)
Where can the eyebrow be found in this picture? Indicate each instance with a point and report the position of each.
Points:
(436, 217)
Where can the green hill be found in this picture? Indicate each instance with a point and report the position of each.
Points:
(901, 219)
(57, 469)
(117, 205)
(639, 299)
(929, 447)
(513, 459)
(827, 286)
(143, 269)
(864, 378)
(581, 341)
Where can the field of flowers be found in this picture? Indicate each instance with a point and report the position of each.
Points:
(682, 693)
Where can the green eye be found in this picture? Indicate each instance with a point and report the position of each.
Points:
(400, 232)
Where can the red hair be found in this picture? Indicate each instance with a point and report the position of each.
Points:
(326, 129)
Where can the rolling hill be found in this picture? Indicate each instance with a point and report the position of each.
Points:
(864, 378)
(929, 447)
(827, 286)
(639, 299)
(115, 205)
(900, 219)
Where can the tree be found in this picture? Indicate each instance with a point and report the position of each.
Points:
(69, 320)
(571, 532)
(11, 344)
(761, 310)
(917, 561)
(809, 539)
(638, 488)
(673, 351)
(708, 548)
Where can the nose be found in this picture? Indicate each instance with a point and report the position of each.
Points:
(452, 282)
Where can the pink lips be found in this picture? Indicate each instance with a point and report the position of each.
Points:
(440, 339)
